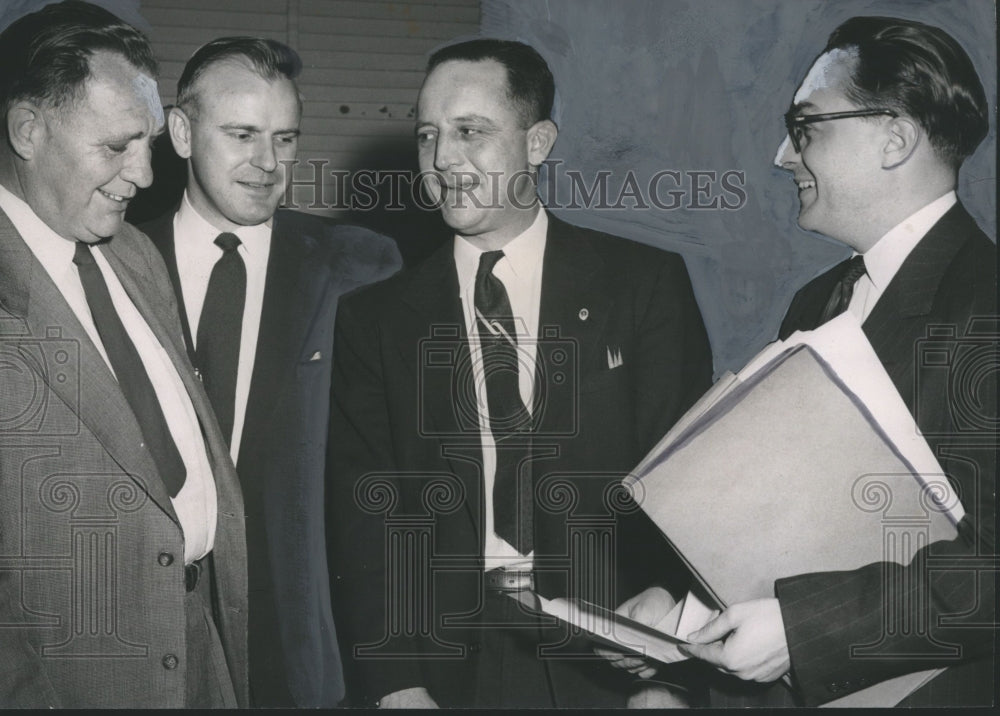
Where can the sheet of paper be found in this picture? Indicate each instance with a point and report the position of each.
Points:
(605, 627)
(843, 345)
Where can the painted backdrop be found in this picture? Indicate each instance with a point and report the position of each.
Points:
(678, 93)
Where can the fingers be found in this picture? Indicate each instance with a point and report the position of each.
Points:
(713, 653)
(714, 630)
(629, 662)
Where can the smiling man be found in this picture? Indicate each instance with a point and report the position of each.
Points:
(258, 291)
(123, 579)
(498, 392)
(877, 133)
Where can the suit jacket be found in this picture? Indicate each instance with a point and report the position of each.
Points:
(937, 611)
(406, 454)
(294, 656)
(91, 553)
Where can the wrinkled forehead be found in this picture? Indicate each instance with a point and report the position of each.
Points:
(146, 90)
(114, 78)
(830, 72)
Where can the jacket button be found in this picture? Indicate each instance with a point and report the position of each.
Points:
(170, 662)
(165, 559)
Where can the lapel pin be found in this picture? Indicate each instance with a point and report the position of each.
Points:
(584, 314)
(197, 373)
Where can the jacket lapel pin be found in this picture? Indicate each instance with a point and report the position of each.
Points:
(614, 358)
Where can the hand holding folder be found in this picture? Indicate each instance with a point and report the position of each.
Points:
(803, 462)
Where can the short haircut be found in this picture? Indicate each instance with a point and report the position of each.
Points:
(921, 72)
(529, 81)
(269, 59)
(45, 56)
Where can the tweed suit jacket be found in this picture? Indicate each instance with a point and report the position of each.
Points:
(92, 583)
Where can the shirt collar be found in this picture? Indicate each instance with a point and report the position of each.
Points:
(50, 248)
(883, 260)
(523, 253)
(190, 227)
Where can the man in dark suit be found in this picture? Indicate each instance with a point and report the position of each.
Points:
(486, 405)
(123, 569)
(258, 293)
(877, 132)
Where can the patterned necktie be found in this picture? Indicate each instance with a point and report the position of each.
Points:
(510, 421)
(220, 329)
(130, 372)
(840, 298)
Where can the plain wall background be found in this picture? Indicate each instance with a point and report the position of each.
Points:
(650, 85)
(682, 85)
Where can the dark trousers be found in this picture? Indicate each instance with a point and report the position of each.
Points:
(522, 666)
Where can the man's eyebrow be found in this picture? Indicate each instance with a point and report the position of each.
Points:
(125, 139)
(243, 127)
(476, 118)
(796, 108)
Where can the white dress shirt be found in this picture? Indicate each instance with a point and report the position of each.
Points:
(883, 260)
(197, 254)
(196, 504)
(520, 271)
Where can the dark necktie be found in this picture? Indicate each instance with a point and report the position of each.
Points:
(220, 328)
(840, 298)
(510, 421)
(130, 372)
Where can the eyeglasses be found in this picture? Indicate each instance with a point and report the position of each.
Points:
(796, 123)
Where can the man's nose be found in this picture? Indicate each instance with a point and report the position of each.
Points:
(786, 155)
(446, 154)
(264, 156)
(138, 168)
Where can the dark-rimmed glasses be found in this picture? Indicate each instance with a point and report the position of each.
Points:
(796, 123)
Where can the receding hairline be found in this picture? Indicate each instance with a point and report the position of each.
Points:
(192, 93)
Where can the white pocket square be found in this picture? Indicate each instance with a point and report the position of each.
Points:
(315, 356)
(614, 358)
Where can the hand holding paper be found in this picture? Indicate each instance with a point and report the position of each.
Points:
(747, 640)
(649, 607)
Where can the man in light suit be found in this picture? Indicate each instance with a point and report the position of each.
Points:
(264, 346)
(486, 404)
(123, 567)
(877, 133)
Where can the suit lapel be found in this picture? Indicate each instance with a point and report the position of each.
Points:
(434, 346)
(161, 232)
(293, 290)
(575, 305)
(899, 315)
(92, 393)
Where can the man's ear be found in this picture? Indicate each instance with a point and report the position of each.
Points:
(26, 128)
(903, 138)
(541, 136)
(179, 126)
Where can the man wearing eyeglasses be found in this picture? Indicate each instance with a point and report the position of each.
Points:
(877, 132)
